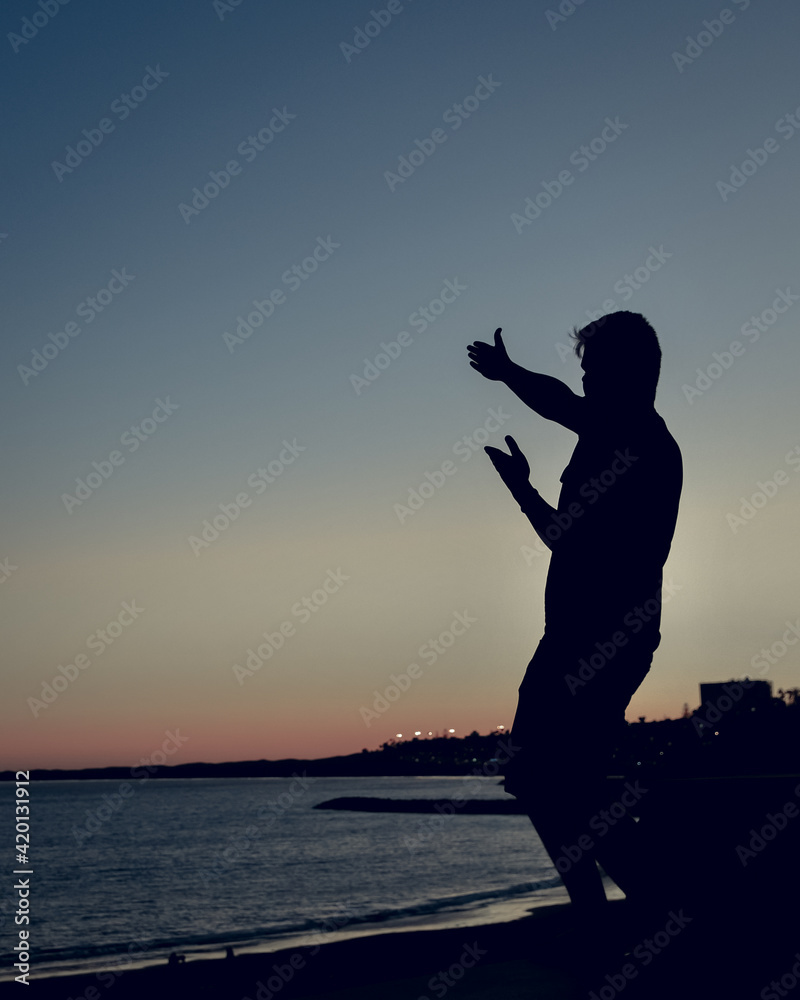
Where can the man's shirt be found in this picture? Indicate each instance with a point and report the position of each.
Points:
(621, 492)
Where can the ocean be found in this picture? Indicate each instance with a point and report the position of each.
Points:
(122, 877)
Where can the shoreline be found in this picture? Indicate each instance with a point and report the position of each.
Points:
(466, 914)
(353, 964)
(546, 954)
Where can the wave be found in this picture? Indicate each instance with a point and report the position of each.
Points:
(53, 961)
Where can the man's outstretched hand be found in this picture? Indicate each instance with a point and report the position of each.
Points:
(492, 362)
(514, 469)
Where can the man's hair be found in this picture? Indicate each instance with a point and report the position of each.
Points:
(628, 343)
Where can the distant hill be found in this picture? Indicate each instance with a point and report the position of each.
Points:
(443, 755)
(721, 737)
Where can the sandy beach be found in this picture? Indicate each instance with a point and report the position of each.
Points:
(522, 958)
(541, 956)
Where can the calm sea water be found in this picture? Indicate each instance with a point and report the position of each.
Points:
(194, 865)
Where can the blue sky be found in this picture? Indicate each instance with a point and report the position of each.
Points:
(200, 81)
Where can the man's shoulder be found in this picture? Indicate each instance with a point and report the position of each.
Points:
(645, 436)
(663, 436)
(600, 428)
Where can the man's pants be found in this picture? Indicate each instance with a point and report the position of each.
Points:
(570, 716)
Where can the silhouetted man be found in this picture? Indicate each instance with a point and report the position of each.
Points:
(609, 538)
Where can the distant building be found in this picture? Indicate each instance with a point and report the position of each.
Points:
(736, 697)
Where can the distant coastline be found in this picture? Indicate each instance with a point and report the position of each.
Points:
(350, 765)
(447, 756)
(758, 734)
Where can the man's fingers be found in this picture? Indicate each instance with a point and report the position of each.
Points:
(498, 340)
(513, 447)
(496, 457)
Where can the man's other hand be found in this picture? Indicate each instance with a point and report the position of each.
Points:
(514, 469)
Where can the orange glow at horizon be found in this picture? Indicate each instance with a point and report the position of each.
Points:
(131, 744)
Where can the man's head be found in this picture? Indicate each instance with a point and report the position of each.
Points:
(621, 359)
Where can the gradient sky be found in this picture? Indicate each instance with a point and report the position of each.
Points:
(555, 83)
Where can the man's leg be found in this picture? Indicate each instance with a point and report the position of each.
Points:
(557, 775)
(557, 807)
(623, 847)
(567, 740)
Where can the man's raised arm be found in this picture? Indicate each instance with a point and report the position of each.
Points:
(548, 396)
